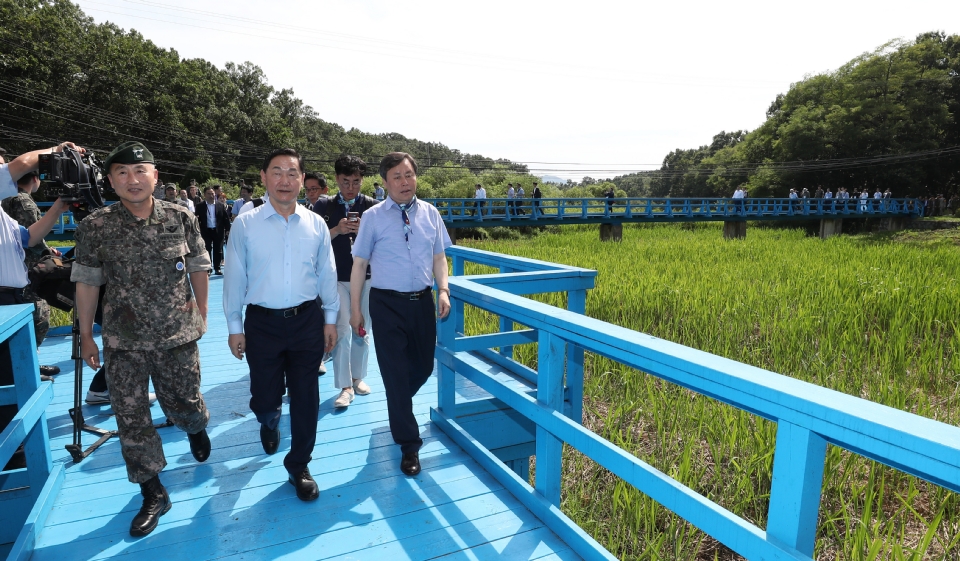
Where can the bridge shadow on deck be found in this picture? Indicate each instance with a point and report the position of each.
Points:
(238, 505)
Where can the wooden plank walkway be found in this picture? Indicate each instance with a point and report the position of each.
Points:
(238, 505)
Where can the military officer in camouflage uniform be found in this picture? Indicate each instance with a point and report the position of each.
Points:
(149, 254)
(24, 210)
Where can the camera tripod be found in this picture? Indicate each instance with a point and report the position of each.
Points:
(76, 413)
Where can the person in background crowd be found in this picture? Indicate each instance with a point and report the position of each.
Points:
(214, 223)
(402, 241)
(150, 256)
(246, 193)
(520, 194)
(511, 200)
(343, 215)
(194, 193)
(377, 191)
(280, 265)
(185, 201)
(818, 194)
(315, 187)
(537, 195)
(480, 196)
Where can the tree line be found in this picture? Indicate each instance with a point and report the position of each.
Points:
(887, 119)
(66, 77)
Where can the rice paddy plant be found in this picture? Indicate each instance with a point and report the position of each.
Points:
(868, 315)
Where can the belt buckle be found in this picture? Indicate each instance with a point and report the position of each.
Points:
(290, 312)
(415, 296)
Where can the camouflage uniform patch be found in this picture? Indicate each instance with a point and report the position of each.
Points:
(150, 320)
(176, 377)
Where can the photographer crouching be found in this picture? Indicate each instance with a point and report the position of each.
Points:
(145, 251)
(14, 238)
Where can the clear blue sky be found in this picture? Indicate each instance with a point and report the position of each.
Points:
(613, 86)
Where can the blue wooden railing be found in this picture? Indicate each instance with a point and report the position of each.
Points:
(520, 212)
(465, 212)
(26, 494)
(807, 416)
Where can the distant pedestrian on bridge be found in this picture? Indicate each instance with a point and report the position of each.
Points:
(738, 197)
(537, 195)
(480, 195)
(520, 193)
(511, 200)
(610, 195)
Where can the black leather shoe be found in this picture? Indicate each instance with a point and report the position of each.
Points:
(307, 489)
(45, 378)
(270, 439)
(410, 464)
(49, 370)
(200, 445)
(156, 503)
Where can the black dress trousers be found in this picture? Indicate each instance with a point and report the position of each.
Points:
(405, 337)
(290, 349)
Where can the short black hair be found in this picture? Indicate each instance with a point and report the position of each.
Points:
(321, 179)
(246, 188)
(349, 165)
(394, 159)
(282, 152)
(27, 178)
(207, 188)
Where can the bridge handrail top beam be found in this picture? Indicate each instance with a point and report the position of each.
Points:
(522, 264)
(730, 381)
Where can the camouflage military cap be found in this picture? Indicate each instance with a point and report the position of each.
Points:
(131, 152)
(170, 186)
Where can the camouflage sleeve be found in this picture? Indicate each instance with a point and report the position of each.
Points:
(87, 268)
(198, 259)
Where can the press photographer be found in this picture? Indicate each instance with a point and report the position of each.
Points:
(14, 238)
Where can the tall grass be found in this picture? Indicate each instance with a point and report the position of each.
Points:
(872, 316)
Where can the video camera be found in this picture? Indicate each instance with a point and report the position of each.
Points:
(75, 178)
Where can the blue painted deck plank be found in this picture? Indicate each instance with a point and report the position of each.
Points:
(238, 504)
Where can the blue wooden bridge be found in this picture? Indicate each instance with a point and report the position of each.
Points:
(465, 213)
(482, 417)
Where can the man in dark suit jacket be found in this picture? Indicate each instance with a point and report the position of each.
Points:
(214, 222)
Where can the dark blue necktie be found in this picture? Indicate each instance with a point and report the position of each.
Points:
(406, 220)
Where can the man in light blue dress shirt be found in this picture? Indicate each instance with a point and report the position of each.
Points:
(280, 265)
(403, 240)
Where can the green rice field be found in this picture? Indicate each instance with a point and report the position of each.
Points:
(871, 315)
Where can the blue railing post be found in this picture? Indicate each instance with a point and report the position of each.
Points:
(795, 492)
(446, 376)
(550, 393)
(506, 324)
(577, 303)
(456, 305)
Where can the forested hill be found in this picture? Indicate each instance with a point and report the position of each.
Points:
(65, 77)
(887, 119)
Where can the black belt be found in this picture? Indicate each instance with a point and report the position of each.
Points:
(15, 291)
(285, 312)
(405, 295)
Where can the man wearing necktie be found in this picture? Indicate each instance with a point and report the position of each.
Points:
(403, 241)
(343, 213)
